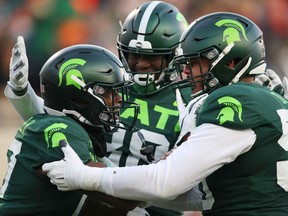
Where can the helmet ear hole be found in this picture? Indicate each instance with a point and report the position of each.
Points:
(232, 64)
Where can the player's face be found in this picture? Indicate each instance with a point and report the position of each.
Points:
(196, 69)
(109, 95)
(113, 99)
(146, 63)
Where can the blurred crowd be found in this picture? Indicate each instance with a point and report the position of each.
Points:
(49, 25)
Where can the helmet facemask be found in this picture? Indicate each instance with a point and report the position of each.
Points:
(148, 82)
(109, 107)
(199, 80)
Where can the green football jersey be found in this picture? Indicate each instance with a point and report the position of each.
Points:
(27, 192)
(158, 122)
(256, 182)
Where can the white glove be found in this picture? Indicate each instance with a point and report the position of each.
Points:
(188, 114)
(273, 82)
(70, 173)
(18, 69)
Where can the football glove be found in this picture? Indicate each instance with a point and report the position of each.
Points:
(273, 82)
(188, 114)
(70, 173)
(18, 69)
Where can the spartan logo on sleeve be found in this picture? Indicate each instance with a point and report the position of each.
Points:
(68, 69)
(53, 134)
(231, 107)
(25, 125)
(233, 30)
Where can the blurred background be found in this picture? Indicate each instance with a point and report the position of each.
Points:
(49, 25)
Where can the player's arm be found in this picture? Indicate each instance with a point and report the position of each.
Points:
(168, 178)
(18, 90)
(102, 202)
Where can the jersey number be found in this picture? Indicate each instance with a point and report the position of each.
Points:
(282, 166)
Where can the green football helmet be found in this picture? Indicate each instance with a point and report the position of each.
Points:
(221, 38)
(152, 29)
(74, 81)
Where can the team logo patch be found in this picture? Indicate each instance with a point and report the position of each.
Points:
(53, 134)
(231, 107)
(68, 69)
(26, 125)
(232, 31)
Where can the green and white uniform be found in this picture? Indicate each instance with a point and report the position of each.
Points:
(157, 119)
(158, 122)
(27, 192)
(257, 181)
(238, 151)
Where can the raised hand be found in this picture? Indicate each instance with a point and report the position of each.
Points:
(18, 69)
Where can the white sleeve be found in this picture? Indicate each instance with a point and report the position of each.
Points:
(189, 201)
(26, 105)
(208, 148)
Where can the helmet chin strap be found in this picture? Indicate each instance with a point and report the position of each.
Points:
(241, 72)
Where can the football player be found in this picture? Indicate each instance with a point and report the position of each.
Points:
(146, 45)
(83, 87)
(238, 149)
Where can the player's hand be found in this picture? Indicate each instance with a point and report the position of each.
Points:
(18, 69)
(188, 114)
(273, 82)
(70, 173)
